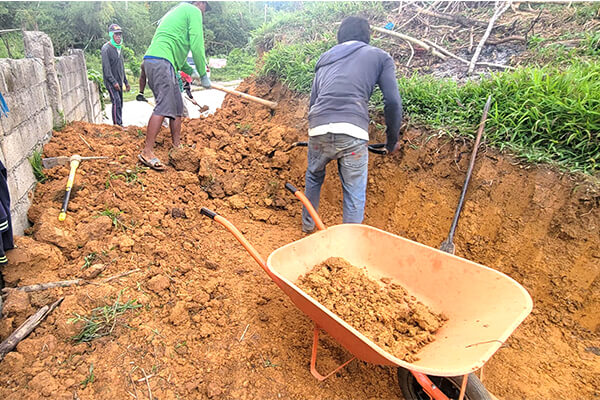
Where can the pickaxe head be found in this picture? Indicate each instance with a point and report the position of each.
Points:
(51, 162)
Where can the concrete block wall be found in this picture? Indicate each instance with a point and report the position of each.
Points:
(29, 88)
(26, 127)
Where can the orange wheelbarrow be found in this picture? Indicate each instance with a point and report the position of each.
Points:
(483, 306)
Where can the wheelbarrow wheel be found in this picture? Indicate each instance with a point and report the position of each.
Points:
(449, 385)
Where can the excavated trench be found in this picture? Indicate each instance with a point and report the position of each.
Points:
(213, 325)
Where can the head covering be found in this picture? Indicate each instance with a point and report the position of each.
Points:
(112, 29)
(115, 28)
(354, 28)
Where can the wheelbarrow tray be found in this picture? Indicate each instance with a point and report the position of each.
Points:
(483, 306)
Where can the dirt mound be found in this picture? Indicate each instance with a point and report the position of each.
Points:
(212, 324)
(386, 314)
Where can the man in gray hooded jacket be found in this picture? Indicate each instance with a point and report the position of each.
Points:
(345, 77)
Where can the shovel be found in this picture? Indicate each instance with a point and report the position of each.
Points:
(74, 161)
(448, 244)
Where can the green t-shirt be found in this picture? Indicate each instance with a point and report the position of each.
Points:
(179, 32)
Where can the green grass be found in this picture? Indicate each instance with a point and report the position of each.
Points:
(540, 114)
(102, 320)
(313, 21)
(38, 169)
(295, 64)
(88, 379)
(240, 64)
(89, 259)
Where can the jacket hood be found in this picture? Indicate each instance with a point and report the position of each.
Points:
(338, 52)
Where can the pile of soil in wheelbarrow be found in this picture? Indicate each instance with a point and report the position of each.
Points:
(213, 325)
(388, 314)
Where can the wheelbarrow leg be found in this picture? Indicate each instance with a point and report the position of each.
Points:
(313, 358)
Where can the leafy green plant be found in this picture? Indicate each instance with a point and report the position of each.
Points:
(90, 378)
(36, 164)
(96, 77)
(115, 217)
(89, 259)
(102, 320)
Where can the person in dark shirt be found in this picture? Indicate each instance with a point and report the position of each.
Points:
(345, 77)
(113, 72)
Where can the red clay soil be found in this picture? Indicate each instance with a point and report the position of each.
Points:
(213, 325)
(382, 310)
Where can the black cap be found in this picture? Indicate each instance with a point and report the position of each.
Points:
(115, 28)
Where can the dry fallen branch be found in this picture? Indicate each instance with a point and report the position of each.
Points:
(482, 63)
(50, 285)
(411, 39)
(497, 13)
(26, 328)
(506, 39)
(455, 18)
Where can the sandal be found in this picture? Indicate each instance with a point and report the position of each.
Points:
(153, 163)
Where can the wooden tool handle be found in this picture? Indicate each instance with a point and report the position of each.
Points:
(246, 96)
(63, 212)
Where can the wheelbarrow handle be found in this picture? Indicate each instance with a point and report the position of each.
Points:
(309, 207)
(209, 213)
(376, 148)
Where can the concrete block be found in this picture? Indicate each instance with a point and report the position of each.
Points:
(3, 68)
(12, 119)
(13, 150)
(29, 132)
(23, 176)
(18, 215)
(38, 97)
(12, 189)
(39, 73)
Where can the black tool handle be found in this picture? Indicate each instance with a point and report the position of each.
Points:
(377, 148)
(209, 213)
(291, 187)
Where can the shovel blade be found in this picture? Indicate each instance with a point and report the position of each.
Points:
(447, 246)
(51, 162)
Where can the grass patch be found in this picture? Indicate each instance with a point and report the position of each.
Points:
(89, 259)
(295, 64)
(240, 64)
(313, 21)
(36, 164)
(102, 320)
(541, 114)
(90, 378)
(130, 176)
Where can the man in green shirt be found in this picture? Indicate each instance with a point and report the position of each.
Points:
(179, 32)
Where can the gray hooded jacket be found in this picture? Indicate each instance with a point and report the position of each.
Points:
(345, 77)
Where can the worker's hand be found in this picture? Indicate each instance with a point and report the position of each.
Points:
(117, 87)
(127, 87)
(140, 97)
(188, 89)
(205, 82)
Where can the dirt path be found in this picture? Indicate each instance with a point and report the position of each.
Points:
(212, 324)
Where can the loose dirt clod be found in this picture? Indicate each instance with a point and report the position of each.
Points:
(388, 315)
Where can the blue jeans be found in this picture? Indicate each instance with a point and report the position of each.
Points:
(353, 158)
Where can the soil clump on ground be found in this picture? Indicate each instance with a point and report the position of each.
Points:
(212, 325)
(387, 314)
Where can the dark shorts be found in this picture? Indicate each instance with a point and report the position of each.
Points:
(163, 82)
